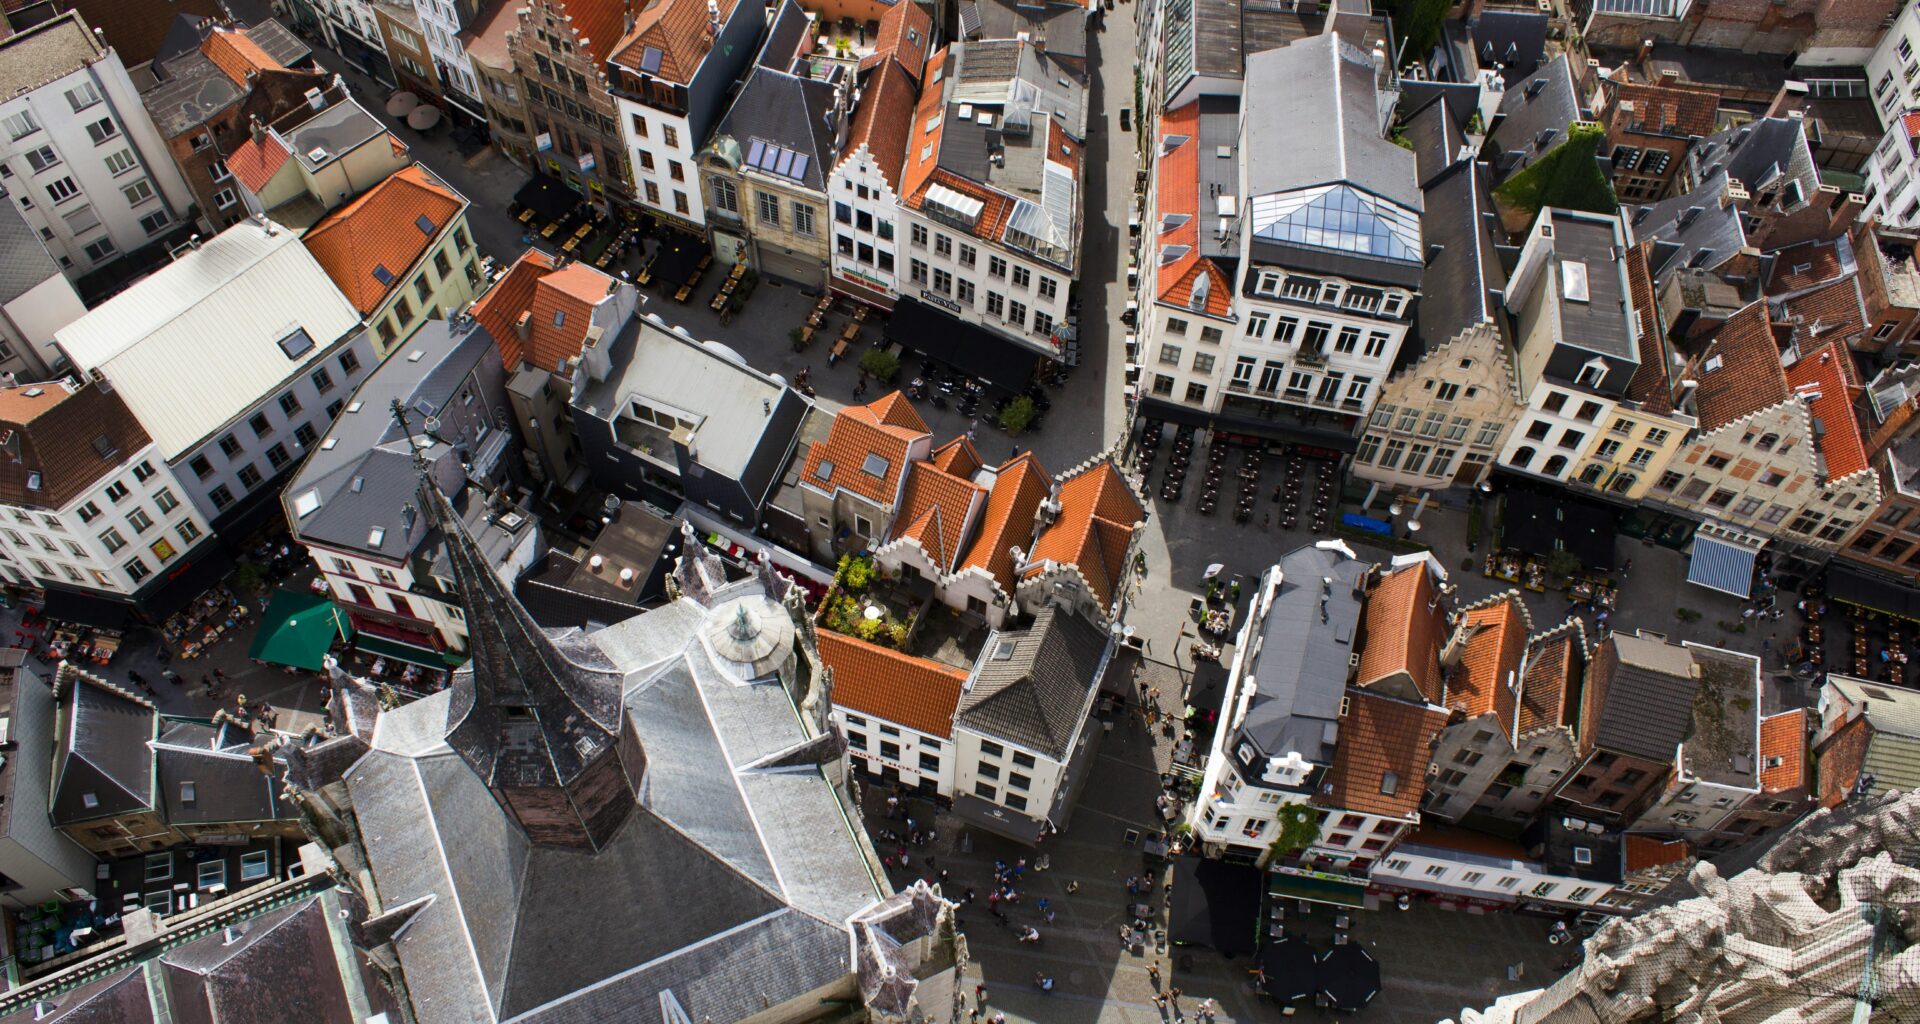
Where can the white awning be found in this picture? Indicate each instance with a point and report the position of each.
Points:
(967, 207)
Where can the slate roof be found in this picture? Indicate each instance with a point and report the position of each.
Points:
(1693, 230)
(1401, 630)
(1647, 689)
(365, 478)
(1032, 686)
(1488, 677)
(1546, 102)
(934, 508)
(1513, 39)
(1019, 486)
(1893, 753)
(1784, 737)
(25, 263)
(1098, 514)
(1436, 139)
(776, 108)
(1300, 665)
(62, 442)
(283, 963)
(1329, 128)
(119, 997)
(1380, 764)
(1749, 378)
(1652, 381)
(1764, 155)
(227, 783)
(884, 683)
(675, 28)
(1456, 285)
(887, 428)
(728, 889)
(104, 752)
(383, 230)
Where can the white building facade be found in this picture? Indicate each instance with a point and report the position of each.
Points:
(865, 217)
(83, 161)
(918, 760)
(442, 21)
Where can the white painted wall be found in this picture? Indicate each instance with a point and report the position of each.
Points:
(866, 733)
(879, 232)
(100, 551)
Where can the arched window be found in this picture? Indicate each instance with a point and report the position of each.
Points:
(1556, 465)
(1522, 457)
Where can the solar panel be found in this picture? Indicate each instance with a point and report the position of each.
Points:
(754, 151)
(800, 161)
(650, 60)
(785, 167)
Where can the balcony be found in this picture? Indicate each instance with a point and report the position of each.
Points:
(1311, 357)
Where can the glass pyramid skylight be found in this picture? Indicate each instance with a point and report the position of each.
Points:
(1338, 217)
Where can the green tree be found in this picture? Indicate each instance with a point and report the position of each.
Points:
(881, 366)
(1419, 24)
(1299, 827)
(1017, 415)
(1562, 563)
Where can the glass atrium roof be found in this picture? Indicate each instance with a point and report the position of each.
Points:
(1338, 217)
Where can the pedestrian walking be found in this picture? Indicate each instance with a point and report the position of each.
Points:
(980, 995)
(1153, 973)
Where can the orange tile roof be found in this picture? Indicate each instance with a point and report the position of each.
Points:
(1381, 736)
(1178, 194)
(1821, 371)
(1098, 514)
(1830, 311)
(1911, 122)
(1488, 677)
(923, 146)
(499, 307)
(1749, 378)
(381, 229)
(1671, 110)
(957, 457)
(888, 428)
(1064, 149)
(563, 303)
(996, 206)
(255, 163)
(1820, 260)
(884, 119)
(872, 680)
(1643, 852)
(677, 28)
(905, 32)
(1552, 677)
(237, 56)
(1019, 486)
(1402, 627)
(1783, 736)
(934, 510)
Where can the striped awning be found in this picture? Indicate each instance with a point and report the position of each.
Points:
(1723, 561)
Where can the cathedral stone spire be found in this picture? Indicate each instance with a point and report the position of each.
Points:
(538, 718)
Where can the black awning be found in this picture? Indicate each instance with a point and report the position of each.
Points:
(546, 197)
(973, 350)
(86, 609)
(1284, 430)
(1541, 524)
(182, 583)
(1852, 585)
(678, 258)
(1349, 976)
(1214, 904)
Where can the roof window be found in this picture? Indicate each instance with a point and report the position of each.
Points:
(875, 465)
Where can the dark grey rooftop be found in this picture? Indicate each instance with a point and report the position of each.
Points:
(1512, 39)
(1603, 323)
(1302, 646)
(209, 778)
(362, 475)
(1693, 230)
(784, 36)
(1648, 688)
(191, 94)
(1219, 174)
(1218, 49)
(184, 36)
(1434, 131)
(1060, 28)
(1534, 117)
(102, 766)
(1454, 290)
(1765, 156)
(1033, 686)
(1567, 847)
(279, 43)
(783, 125)
(24, 262)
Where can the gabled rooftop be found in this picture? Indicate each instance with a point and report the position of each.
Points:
(58, 441)
(1098, 514)
(1647, 688)
(872, 680)
(935, 508)
(1401, 631)
(1033, 686)
(1019, 486)
(1380, 763)
(369, 245)
(668, 41)
(1739, 371)
(867, 449)
(1820, 379)
(1784, 764)
(555, 305)
(1493, 642)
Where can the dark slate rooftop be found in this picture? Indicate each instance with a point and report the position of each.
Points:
(1533, 118)
(1060, 28)
(784, 127)
(191, 94)
(1303, 642)
(784, 36)
(1603, 323)
(1033, 686)
(1454, 290)
(1648, 688)
(102, 765)
(210, 778)
(1767, 155)
(1694, 230)
(1573, 848)
(1219, 174)
(1512, 39)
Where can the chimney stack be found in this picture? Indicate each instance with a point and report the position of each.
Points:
(257, 130)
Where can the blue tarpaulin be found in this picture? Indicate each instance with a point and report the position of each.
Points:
(1359, 522)
(1722, 564)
